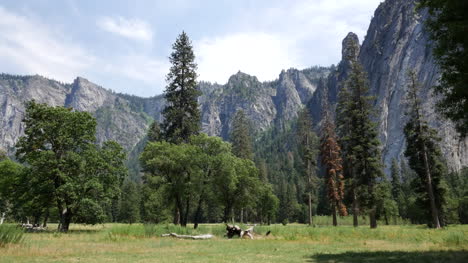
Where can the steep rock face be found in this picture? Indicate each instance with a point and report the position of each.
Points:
(265, 104)
(115, 117)
(244, 92)
(125, 118)
(14, 91)
(87, 96)
(395, 44)
(327, 92)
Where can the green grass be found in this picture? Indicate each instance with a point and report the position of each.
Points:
(291, 243)
(10, 234)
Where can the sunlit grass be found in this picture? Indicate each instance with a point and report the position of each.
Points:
(290, 243)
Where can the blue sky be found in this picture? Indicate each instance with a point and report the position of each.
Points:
(124, 45)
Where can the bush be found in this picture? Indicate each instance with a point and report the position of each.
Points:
(10, 234)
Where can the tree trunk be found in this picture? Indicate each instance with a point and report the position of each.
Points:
(242, 215)
(65, 220)
(310, 209)
(226, 215)
(184, 219)
(46, 218)
(2, 218)
(197, 213)
(205, 236)
(430, 191)
(176, 220)
(355, 210)
(386, 219)
(335, 222)
(372, 219)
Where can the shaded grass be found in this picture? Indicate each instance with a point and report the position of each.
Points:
(392, 256)
(291, 243)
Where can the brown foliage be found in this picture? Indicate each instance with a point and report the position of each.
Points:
(330, 152)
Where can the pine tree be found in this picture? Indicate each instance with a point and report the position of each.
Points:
(154, 132)
(129, 211)
(396, 179)
(397, 187)
(308, 144)
(424, 154)
(448, 27)
(386, 206)
(181, 115)
(240, 136)
(330, 153)
(360, 141)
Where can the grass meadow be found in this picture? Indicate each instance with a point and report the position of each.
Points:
(290, 243)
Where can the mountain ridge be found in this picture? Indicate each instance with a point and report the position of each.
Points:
(395, 43)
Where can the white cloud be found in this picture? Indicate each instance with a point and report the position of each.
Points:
(29, 47)
(135, 29)
(295, 33)
(260, 54)
(140, 68)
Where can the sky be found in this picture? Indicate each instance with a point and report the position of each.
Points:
(124, 45)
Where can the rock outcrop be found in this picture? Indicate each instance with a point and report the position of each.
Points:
(395, 43)
(125, 118)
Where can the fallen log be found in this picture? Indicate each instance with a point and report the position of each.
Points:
(206, 236)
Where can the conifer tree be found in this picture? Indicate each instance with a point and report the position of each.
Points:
(154, 132)
(396, 179)
(181, 115)
(308, 144)
(240, 136)
(129, 211)
(424, 155)
(397, 187)
(359, 141)
(330, 153)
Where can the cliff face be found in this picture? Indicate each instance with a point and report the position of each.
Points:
(264, 103)
(125, 118)
(116, 119)
(395, 44)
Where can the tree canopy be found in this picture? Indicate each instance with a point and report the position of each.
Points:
(448, 27)
(65, 165)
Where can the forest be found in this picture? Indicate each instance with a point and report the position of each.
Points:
(291, 179)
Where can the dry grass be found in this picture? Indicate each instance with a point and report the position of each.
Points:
(292, 243)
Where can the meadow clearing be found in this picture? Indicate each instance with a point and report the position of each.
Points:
(290, 243)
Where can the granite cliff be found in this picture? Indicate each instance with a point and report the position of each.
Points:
(395, 43)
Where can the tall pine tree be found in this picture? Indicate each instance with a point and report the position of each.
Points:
(181, 115)
(330, 153)
(359, 141)
(424, 155)
(240, 136)
(308, 144)
(397, 187)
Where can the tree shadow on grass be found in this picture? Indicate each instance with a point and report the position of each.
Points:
(71, 231)
(392, 256)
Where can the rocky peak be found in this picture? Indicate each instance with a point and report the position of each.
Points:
(241, 78)
(350, 47)
(87, 96)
